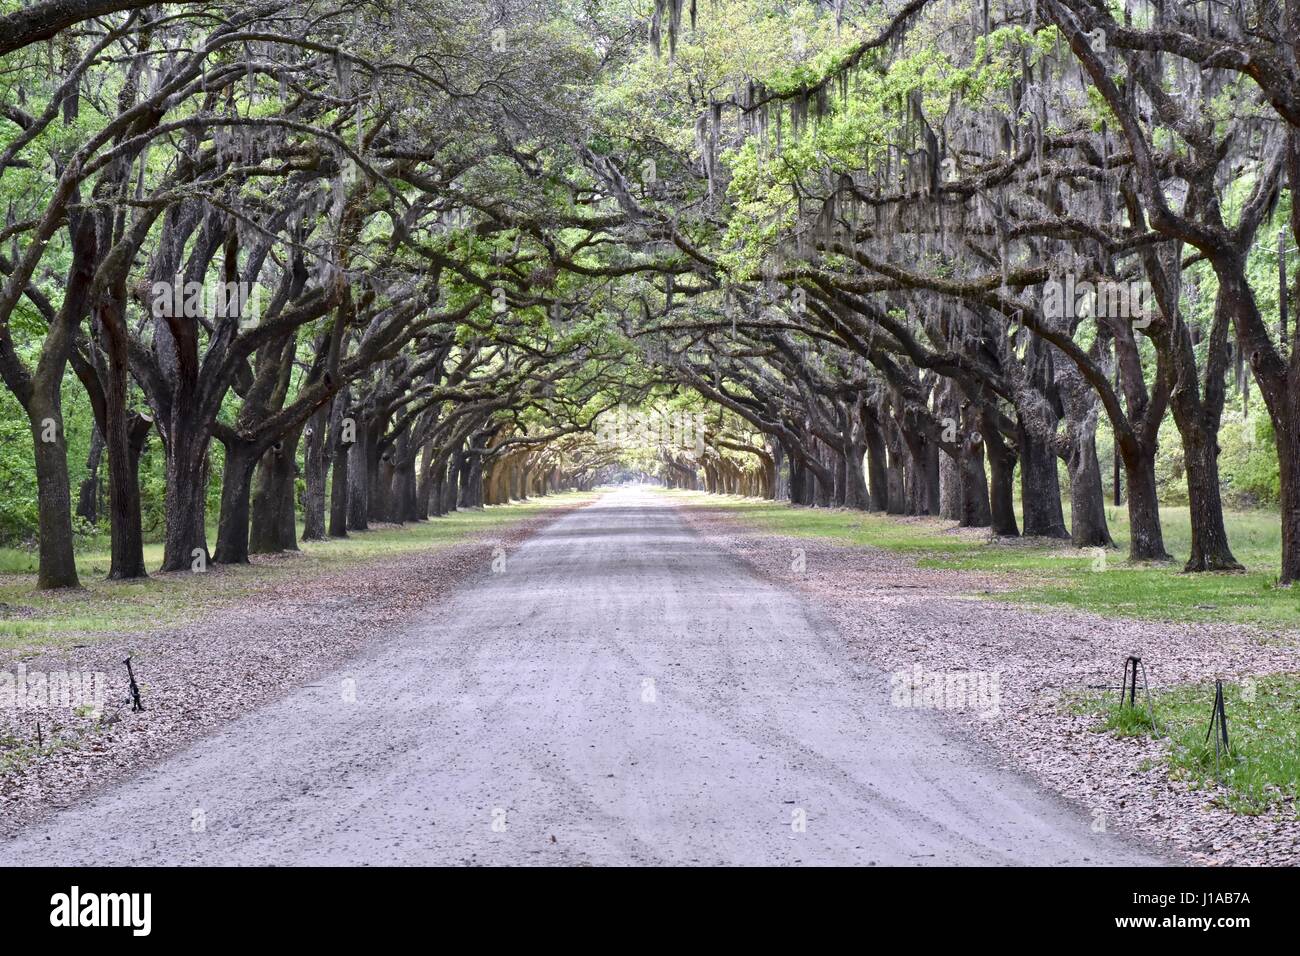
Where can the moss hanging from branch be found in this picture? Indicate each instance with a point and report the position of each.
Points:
(671, 10)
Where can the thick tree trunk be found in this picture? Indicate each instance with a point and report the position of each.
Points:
(423, 500)
(855, 480)
(840, 467)
(236, 489)
(379, 476)
(798, 478)
(358, 472)
(895, 484)
(88, 493)
(274, 525)
(42, 401)
(451, 485)
(126, 544)
(932, 458)
(824, 479)
(1002, 470)
(314, 464)
(976, 511)
(1146, 539)
(949, 488)
(924, 473)
(1040, 488)
(185, 498)
(126, 536)
(1210, 551)
(1284, 408)
(471, 483)
(1288, 451)
(1088, 528)
(58, 565)
(339, 492)
(404, 499)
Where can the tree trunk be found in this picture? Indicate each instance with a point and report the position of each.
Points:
(841, 470)
(451, 488)
(358, 473)
(895, 495)
(856, 494)
(405, 502)
(339, 475)
(925, 473)
(339, 492)
(423, 500)
(976, 511)
(471, 485)
(1210, 551)
(185, 498)
(1088, 528)
(1146, 540)
(314, 464)
(274, 525)
(236, 489)
(1040, 488)
(58, 565)
(949, 488)
(88, 494)
(126, 544)
(1288, 452)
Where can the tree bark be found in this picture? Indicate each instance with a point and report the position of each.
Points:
(358, 475)
(1040, 488)
(314, 466)
(57, 563)
(88, 493)
(185, 497)
(274, 522)
(1146, 539)
(236, 490)
(1088, 527)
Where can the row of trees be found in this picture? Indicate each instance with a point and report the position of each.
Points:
(321, 239)
(936, 243)
(900, 256)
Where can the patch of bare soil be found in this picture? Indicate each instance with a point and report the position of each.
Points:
(195, 677)
(899, 616)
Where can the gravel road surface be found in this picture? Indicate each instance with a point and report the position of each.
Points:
(617, 691)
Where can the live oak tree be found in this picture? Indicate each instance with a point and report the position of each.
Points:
(885, 252)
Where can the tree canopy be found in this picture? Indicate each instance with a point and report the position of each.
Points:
(349, 262)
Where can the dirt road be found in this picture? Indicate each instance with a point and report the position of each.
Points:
(615, 692)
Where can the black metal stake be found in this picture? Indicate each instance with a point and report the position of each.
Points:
(1219, 717)
(1129, 685)
(135, 689)
(1128, 688)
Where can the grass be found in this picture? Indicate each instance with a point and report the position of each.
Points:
(1056, 574)
(16, 753)
(30, 619)
(1261, 772)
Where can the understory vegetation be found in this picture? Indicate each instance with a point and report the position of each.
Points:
(1261, 770)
